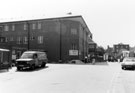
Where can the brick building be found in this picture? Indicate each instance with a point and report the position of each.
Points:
(118, 47)
(121, 51)
(63, 38)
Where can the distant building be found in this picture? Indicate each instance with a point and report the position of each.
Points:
(121, 51)
(109, 54)
(63, 38)
(120, 46)
(132, 52)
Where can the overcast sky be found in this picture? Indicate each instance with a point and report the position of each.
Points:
(110, 21)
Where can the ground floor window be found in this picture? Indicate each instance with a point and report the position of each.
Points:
(40, 39)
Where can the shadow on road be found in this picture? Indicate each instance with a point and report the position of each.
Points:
(3, 71)
(29, 70)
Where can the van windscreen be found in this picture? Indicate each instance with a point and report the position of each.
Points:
(27, 55)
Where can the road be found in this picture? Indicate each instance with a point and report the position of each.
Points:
(69, 78)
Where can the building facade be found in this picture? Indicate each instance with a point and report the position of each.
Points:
(121, 51)
(63, 38)
(121, 46)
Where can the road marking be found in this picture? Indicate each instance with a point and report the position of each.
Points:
(113, 82)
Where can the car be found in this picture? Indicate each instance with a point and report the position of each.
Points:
(128, 63)
(31, 59)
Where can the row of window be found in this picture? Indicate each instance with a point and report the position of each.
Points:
(124, 46)
(25, 26)
(22, 40)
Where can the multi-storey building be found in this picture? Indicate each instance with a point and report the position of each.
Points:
(63, 38)
(121, 51)
(120, 46)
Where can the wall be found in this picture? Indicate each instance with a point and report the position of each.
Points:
(58, 38)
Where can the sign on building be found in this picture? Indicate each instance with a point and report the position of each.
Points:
(73, 52)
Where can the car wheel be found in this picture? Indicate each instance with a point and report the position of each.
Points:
(123, 68)
(43, 64)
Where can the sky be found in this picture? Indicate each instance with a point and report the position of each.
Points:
(110, 21)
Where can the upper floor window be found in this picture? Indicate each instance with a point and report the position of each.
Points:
(73, 31)
(6, 28)
(127, 47)
(39, 25)
(121, 46)
(117, 46)
(25, 26)
(25, 40)
(73, 46)
(13, 27)
(40, 39)
(33, 26)
(18, 40)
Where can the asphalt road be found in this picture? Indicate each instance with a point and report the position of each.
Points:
(69, 78)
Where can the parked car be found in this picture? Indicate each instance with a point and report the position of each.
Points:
(128, 63)
(31, 59)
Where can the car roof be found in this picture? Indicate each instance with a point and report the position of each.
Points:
(129, 58)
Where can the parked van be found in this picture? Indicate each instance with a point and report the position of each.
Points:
(31, 59)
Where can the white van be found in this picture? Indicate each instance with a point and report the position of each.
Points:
(31, 59)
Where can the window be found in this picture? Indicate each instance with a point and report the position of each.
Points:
(33, 26)
(126, 46)
(25, 26)
(73, 46)
(19, 40)
(6, 28)
(39, 25)
(25, 40)
(117, 47)
(73, 31)
(40, 39)
(13, 27)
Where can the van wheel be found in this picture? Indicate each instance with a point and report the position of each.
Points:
(32, 67)
(43, 65)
